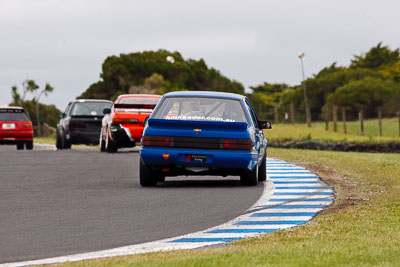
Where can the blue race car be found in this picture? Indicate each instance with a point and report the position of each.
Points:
(203, 133)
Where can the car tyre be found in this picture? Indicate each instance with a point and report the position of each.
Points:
(66, 144)
(148, 177)
(29, 145)
(20, 146)
(59, 144)
(110, 146)
(262, 170)
(102, 143)
(249, 177)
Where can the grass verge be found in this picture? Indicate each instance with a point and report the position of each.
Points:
(317, 132)
(362, 228)
(50, 140)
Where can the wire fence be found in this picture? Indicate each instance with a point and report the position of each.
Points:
(340, 119)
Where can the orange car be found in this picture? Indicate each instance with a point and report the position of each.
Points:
(123, 124)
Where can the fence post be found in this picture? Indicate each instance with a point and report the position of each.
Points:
(361, 118)
(380, 120)
(292, 112)
(276, 114)
(334, 115)
(344, 120)
(399, 122)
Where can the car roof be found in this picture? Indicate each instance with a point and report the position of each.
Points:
(204, 94)
(138, 95)
(10, 107)
(91, 100)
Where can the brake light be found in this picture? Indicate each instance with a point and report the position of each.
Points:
(149, 140)
(124, 121)
(245, 144)
(28, 125)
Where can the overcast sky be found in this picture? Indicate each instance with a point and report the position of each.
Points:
(65, 43)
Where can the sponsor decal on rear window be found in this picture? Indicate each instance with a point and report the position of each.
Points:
(202, 118)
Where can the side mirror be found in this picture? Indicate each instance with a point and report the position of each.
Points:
(265, 124)
(63, 115)
(106, 111)
(145, 121)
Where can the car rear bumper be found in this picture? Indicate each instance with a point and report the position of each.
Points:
(84, 136)
(122, 136)
(216, 159)
(12, 137)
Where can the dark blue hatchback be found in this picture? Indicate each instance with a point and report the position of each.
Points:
(203, 133)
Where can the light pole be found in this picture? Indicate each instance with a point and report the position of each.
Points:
(308, 115)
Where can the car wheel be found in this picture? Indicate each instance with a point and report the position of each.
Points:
(20, 146)
(110, 146)
(262, 170)
(66, 143)
(59, 144)
(29, 145)
(249, 177)
(147, 175)
(102, 143)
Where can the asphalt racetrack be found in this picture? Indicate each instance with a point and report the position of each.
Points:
(55, 203)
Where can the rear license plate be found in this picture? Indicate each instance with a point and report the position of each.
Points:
(196, 158)
(8, 126)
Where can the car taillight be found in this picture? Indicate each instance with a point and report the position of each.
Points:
(149, 140)
(216, 143)
(28, 125)
(124, 121)
(76, 124)
(245, 144)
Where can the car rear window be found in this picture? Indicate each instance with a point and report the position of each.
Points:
(89, 108)
(13, 115)
(140, 105)
(139, 100)
(201, 108)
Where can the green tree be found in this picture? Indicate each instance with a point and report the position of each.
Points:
(265, 97)
(28, 86)
(368, 94)
(46, 90)
(326, 82)
(50, 114)
(376, 57)
(392, 71)
(134, 72)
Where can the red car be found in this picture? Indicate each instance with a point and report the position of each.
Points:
(123, 124)
(16, 127)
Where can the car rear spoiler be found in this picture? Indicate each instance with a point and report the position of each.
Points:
(87, 116)
(138, 106)
(197, 124)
